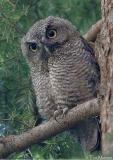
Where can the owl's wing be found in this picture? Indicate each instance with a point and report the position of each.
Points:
(88, 49)
(94, 78)
(87, 132)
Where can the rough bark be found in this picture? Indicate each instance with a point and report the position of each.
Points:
(15, 143)
(104, 50)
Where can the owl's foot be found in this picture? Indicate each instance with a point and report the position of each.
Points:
(60, 112)
(57, 113)
(65, 110)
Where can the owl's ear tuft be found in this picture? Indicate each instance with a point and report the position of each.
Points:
(50, 19)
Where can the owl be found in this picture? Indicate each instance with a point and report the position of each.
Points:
(64, 73)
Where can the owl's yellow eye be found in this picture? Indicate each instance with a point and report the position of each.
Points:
(51, 33)
(33, 47)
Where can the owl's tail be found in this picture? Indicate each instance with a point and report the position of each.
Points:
(88, 134)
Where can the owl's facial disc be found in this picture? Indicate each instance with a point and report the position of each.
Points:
(37, 50)
(49, 41)
(51, 33)
(54, 37)
(33, 47)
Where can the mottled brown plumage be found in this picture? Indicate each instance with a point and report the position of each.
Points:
(64, 72)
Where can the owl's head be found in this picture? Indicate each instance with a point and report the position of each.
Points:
(57, 32)
(46, 36)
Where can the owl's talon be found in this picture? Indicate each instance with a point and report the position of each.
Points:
(60, 112)
(65, 110)
(57, 113)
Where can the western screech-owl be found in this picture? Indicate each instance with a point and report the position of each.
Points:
(64, 73)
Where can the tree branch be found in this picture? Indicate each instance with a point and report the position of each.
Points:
(40, 133)
(91, 35)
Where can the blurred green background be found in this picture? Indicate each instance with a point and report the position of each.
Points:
(16, 94)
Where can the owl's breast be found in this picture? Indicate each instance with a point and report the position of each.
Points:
(42, 87)
(71, 80)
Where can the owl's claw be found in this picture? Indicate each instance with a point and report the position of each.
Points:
(65, 110)
(60, 111)
(57, 113)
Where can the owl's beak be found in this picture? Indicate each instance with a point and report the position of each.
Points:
(44, 41)
(45, 53)
(45, 44)
(50, 46)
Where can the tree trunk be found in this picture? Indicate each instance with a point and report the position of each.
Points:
(104, 51)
